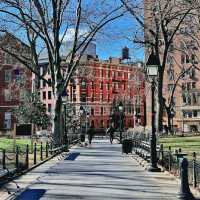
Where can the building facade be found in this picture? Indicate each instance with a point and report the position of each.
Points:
(97, 86)
(13, 75)
(181, 84)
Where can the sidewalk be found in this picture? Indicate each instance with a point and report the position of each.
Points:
(98, 173)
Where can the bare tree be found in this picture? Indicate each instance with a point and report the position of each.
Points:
(160, 23)
(44, 25)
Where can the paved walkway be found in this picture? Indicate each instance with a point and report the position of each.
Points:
(98, 173)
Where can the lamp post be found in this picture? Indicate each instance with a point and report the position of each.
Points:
(172, 114)
(152, 72)
(121, 110)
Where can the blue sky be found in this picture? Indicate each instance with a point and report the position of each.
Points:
(115, 39)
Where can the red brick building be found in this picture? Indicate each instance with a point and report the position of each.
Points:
(108, 82)
(96, 85)
(12, 73)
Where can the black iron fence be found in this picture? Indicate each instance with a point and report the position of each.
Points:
(168, 159)
(15, 162)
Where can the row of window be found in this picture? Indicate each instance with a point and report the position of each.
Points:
(45, 94)
(114, 85)
(191, 113)
(191, 99)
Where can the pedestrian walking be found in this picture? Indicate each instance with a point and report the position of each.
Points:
(111, 131)
(90, 134)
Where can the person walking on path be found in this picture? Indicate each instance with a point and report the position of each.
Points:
(111, 132)
(90, 134)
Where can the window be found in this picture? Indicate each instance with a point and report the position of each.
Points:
(170, 74)
(101, 85)
(7, 120)
(194, 98)
(187, 59)
(49, 80)
(92, 111)
(74, 97)
(92, 99)
(193, 85)
(102, 97)
(8, 76)
(49, 107)
(192, 73)
(101, 110)
(170, 87)
(44, 83)
(44, 95)
(83, 84)
(184, 98)
(101, 73)
(195, 113)
(101, 123)
(182, 58)
(7, 95)
(92, 85)
(49, 94)
(107, 86)
(107, 73)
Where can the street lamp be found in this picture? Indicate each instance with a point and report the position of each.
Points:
(121, 110)
(152, 72)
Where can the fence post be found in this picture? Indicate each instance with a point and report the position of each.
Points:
(185, 193)
(51, 147)
(4, 159)
(194, 170)
(27, 159)
(170, 160)
(35, 154)
(41, 152)
(162, 154)
(47, 149)
(17, 158)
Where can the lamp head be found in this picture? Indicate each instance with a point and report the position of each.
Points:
(152, 65)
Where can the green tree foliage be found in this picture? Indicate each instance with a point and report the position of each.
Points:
(31, 110)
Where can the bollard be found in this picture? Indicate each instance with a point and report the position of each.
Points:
(41, 153)
(35, 154)
(4, 159)
(185, 193)
(17, 158)
(194, 170)
(170, 159)
(47, 150)
(27, 159)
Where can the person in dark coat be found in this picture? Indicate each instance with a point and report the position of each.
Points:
(90, 133)
(111, 131)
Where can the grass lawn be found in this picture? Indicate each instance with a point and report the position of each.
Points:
(187, 144)
(7, 144)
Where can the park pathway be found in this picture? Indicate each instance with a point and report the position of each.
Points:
(98, 173)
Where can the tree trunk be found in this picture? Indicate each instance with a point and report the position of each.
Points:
(160, 105)
(169, 122)
(58, 123)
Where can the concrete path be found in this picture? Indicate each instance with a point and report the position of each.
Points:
(98, 173)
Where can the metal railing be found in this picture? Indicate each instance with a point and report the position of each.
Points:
(169, 160)
(13, 163)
